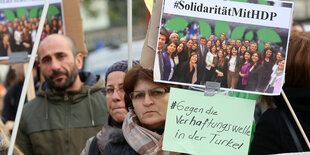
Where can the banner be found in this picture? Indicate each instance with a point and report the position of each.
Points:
(241, 45)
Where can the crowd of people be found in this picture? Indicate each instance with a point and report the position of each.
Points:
(236, 64)
(19, 35)
(126, 114)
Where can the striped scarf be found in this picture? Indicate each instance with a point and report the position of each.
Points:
(142, 140)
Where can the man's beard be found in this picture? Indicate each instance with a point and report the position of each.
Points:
(69, 80)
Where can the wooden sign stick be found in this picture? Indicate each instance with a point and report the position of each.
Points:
(295, 118)
(30, 91)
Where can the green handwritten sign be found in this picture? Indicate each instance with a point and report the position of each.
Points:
(198, 124)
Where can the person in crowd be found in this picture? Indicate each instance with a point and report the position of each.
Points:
(143, 129)
(255, 68)
(203, 74)
(183, 40)
(46, 31)
(202, 52)
(4, 31)
(169, 64)
(60, 27)
(211, 55)
(242, 51)
(233, 68)
(11, 98)
(54, 26)
(212, 39)
(221, 65)
(11, 32)
(188, 48)
(159, 60)
(247, 44)
(275, 83)
(267, 45)
(239, 44)
(245, 67)
(223, 38)
(26, 44)
(189, 69)
(209, 45)
(18, 38)
(33, 33)
(267, 64)
(195, 39)
(174, 37)
(5, 47)
(194, 48)
(277, 132)
(218, 44)
(69, 107)
(279, 55)
(114, 93)
(232, 42)
(253, 48)
(228, 51)
(224, 46)
(179, 50)
(177, 56)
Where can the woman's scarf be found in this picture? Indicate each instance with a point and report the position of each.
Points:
(142, 140)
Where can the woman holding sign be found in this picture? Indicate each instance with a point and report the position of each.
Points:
(276, 131)
(144, 124)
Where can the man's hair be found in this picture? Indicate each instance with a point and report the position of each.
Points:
(203, 38)
(162, 32)
(172, 35)
(73, 45)
(70, 40)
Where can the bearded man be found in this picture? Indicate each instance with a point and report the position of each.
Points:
(70, 106)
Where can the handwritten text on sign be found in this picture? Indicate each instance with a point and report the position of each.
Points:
(198, 124)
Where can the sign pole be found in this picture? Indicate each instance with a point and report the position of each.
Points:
(129, 32)
(28, 75)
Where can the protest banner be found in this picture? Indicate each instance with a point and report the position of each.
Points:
(198, 124)
(263, 29)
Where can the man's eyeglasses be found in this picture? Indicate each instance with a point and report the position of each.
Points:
(110, 91)
(155, 93)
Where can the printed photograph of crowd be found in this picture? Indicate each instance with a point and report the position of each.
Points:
(18, 35)
(236, 64)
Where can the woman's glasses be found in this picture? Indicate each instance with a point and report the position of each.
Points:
(155, 93)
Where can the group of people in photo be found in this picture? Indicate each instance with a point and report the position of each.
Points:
(236, 64)
(19, 35)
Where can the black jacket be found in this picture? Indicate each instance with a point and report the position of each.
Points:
(117, 144)
(272, 134)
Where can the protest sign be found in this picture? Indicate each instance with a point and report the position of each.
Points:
(19, 22)
(239, 44)
(198, 124)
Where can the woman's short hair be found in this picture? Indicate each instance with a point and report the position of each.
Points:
(298, 61)
(133, 76)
